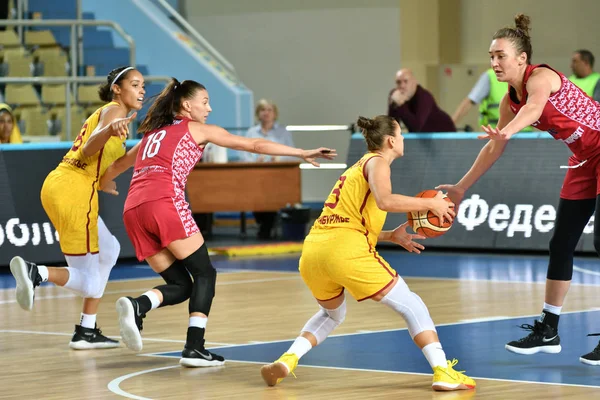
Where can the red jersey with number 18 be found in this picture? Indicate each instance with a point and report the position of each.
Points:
(164, 161)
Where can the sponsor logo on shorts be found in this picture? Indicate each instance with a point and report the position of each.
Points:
(333, 219)
(74, 162)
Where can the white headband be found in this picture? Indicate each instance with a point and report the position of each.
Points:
(119, 75)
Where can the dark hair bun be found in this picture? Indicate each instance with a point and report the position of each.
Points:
(365, 123)
(522, 22)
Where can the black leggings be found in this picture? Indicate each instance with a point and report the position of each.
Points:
(572, 217)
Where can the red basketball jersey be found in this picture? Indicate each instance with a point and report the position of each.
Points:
(570, 115)
(164, 161)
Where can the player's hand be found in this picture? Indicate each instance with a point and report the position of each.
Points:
(321, 152)
(120, 126)
(493, 133)
(442, 208)
(407, 240)
(109, 187)
(454, 193)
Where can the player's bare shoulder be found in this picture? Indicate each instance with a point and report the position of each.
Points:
(549, 75)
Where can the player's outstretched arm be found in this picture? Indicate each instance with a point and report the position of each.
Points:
(488, 155)
(204, 134)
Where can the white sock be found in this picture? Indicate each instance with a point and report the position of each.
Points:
(553, 309)
(153, 299)
(88, 320)
(300, 347)
(435, 355)
(43, 271)
(198, 322)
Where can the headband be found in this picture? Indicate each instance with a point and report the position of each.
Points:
(119, 75)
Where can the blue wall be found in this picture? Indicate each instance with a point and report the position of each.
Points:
(158, 47)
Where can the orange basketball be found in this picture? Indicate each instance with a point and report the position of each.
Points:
(425, 222)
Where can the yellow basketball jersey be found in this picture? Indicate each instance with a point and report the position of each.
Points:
(97, 164)
(350, 204)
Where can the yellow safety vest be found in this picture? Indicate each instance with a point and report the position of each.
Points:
(489, 109)
(587, 84)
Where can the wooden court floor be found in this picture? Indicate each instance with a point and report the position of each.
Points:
(250, 307)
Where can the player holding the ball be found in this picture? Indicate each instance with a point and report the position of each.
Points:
(339, 253)
(426, 222)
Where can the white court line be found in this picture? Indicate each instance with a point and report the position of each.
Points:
(366, 332)
(585, 271)
(427, 374)
(489, 280)
(228, 283)
(421, 373)
(487, 319)
(149, 278)
(113, 385)
(114, 337)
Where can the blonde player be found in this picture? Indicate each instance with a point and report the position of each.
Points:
(339, 253)
(70, 198)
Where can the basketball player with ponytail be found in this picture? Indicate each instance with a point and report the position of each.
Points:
(339, 253)
(544, 98)
(70, 198)
(158, 219)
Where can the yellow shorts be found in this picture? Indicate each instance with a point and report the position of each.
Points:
(343, 258)
(71, 202)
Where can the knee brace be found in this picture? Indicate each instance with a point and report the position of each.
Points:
(560, 264)
(179, 284)
(205, 278)
(108, 246)
(410, 306)
(84, 276)
(571, 218)
(325, 321)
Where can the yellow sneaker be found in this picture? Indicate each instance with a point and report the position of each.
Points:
(445, 379)
(275, 372)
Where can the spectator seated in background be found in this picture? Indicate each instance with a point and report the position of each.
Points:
(582, 65)
(266, 113)
(488, 93)
(415, 107)
(9, 130)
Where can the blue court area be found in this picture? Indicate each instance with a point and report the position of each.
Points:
(479, 346)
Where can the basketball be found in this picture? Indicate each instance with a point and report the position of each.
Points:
(427, 223)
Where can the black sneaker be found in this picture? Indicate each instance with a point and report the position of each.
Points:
(543, 338)
(130, 322)
(27, 277)
(592, 358)
(200, 358)
(88, 339)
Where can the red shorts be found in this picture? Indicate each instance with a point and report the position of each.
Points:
(583, 181)
(152, 226)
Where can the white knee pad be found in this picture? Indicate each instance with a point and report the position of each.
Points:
(410, 306)
(325, 321)
(84, 276)
(108, 245)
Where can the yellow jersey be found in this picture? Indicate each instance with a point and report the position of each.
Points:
(94, 166)
(350, 204)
